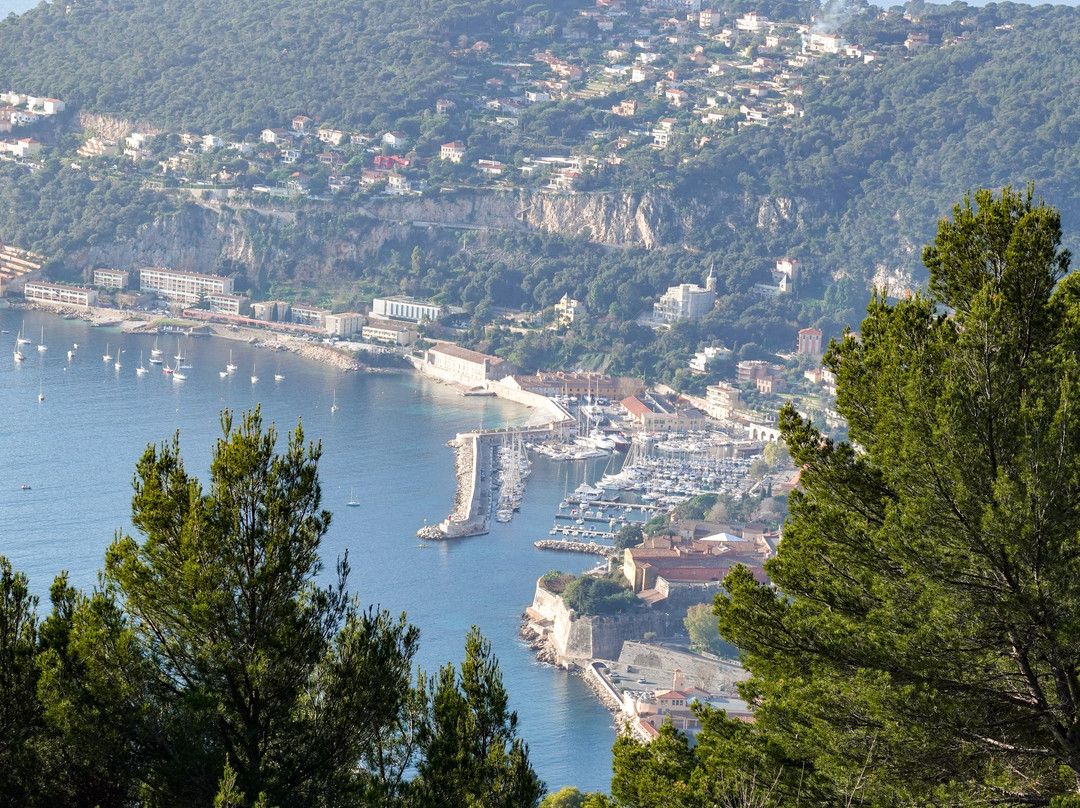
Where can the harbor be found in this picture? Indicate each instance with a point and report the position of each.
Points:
(490, 481)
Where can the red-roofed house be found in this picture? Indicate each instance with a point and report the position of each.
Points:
(454, 152)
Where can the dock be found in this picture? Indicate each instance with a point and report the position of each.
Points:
(475, 460)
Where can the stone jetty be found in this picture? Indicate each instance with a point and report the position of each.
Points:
(576, 547)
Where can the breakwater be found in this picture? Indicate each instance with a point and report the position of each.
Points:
(474, 501)
(591, 547)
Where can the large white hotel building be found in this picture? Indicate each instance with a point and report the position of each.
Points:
(405, 308)
(187, 287)
(59, 293)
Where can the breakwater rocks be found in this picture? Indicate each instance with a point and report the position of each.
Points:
(591, 547)
(322, 353)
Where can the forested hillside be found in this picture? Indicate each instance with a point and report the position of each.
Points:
(849, 178)
(233, 65)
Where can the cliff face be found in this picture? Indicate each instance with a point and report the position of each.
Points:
(210, 234)
(576, 640)
(632, 219)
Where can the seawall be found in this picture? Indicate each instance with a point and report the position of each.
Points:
(576, 640)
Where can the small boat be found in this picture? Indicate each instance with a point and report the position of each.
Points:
(353, 501)
(155, 352)
(177, 375)
(40, 394)
(24, 487)
(141, 369)
(334, 406)
(155, 360)
(71, 355)
(254, 378)
(179, 354)
(74, 346)
(41, 345)
(19, 355)
(116, 364)
(167, 370)
(106, 357)
(21, 340)
(223, 374)
(278, 377)
(230, 367)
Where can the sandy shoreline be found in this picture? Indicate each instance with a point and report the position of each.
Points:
(136, 322)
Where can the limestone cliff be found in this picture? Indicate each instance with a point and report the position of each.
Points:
(255, 238)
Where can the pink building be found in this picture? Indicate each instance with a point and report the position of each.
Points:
(810, 342)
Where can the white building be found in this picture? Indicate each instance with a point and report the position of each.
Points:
(112, 278)
(388, 332)
(59, 293)
(344, 324)
(686, 300)
(186, 287)
(225, 303)
(405, 308)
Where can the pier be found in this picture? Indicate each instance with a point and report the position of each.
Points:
(474, 501)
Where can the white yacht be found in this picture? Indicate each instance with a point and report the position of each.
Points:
(41, 345)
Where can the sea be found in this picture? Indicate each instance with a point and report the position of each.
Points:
(385, 445)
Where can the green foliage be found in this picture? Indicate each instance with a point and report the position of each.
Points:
(555, 581)
(571, 797)
(19, 708)
(471, 753)
(209, 666)
(703, 628)
(385, 61)
(697, 507)
(921, 644)
(629, 536)
(588, 595)
(222, 592)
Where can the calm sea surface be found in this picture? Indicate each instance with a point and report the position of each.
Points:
(78, 448)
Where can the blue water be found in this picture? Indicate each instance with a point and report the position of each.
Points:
(78, 448)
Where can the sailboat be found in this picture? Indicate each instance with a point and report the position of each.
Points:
(117, 363)
(106, 357)
(19, 355)
(254, 378)
(334, 406)
(71, 355)
(179, 354)
(141, 369)
(155, 353)
(277, 376)
(176, 374)
(353, 501)
(41, 345)
(21, 340)
(40, 394)
(229, 368)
